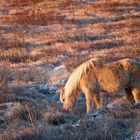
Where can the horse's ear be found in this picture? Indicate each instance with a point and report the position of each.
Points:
(96, 62)
(62, 95)
(126, 64)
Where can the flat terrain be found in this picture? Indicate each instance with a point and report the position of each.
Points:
(41, 43)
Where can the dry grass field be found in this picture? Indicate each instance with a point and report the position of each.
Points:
(41, 42)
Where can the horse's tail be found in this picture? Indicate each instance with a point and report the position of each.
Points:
(62, 98)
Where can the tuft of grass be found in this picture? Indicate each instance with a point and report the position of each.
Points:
(55, 118)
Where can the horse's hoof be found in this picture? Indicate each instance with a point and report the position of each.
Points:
(88, 115)
(136, 104)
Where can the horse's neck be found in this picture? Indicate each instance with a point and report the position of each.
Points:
(98, 69)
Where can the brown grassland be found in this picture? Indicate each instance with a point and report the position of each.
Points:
(41, 42)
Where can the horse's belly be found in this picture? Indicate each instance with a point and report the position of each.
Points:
(113, 85)
(112, 88)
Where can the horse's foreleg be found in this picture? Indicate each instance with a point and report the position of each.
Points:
(88, 97)
(96, 98)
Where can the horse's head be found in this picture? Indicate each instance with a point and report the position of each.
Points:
(68, 101)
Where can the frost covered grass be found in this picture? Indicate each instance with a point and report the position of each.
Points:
(34, 117)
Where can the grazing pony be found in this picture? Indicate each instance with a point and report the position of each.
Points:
(93, 77)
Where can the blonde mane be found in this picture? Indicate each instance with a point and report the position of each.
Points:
(74, 79)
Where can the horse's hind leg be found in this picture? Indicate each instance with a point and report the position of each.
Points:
(129, 95)
(96, 98)
(136, 94)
